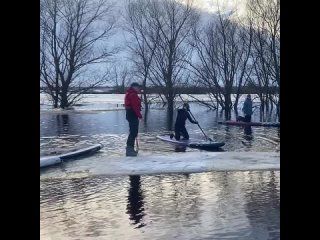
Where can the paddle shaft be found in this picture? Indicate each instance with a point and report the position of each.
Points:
(199, 126)
(196, 121)
(137, 144)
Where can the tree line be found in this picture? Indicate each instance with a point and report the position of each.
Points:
(170, 45)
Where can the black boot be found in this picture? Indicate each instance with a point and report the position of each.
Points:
(130, 152)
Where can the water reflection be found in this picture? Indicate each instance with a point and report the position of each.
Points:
(62, 123)
(178, 148)
(247, 133)
(262, 205)
(247, 130)
(135, 206)
(227, 133)
(215, 205)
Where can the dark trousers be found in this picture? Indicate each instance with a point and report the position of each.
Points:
(180, 130)
(133, 131)
(247, 118)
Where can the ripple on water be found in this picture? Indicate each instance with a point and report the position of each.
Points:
(215, 205)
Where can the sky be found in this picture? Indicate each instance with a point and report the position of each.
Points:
(212, 5)
(207, 6)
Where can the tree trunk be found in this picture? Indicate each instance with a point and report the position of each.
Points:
(64, 98)
(228, 107)
(170, 104)
(170, 120)
(55, 101)
(145, 100)
(235, 107)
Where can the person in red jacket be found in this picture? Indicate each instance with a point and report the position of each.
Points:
(132, 104)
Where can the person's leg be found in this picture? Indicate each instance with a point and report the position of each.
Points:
(177, 133)
(133, 133)
(173, 134)
(185, 133)
(130, 140)
(240, 119)
(247, 118)
(135, 129)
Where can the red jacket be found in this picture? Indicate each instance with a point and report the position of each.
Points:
(132, 101)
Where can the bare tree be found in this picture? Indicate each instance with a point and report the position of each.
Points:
(176, 22)
(121, 75)
(265, 15)
(223, 51)
(245, 64)
(144, 40)
(73, 38)
(167, 26)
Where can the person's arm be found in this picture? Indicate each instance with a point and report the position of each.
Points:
(245, 106)
(136, 105)
(250, 108)
(190, 119)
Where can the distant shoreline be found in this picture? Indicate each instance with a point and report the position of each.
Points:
(180, 90)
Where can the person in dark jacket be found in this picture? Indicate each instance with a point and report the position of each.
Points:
(180, 125)
(247, 110)
(132, 104)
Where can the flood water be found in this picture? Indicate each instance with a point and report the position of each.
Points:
(214, 205)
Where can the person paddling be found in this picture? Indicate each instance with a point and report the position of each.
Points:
(180, 125)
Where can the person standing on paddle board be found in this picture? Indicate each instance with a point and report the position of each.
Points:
(132, 104)
(247, 109)
(180, 125)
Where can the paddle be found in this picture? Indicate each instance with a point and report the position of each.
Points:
(137, 144)
(197, 122)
